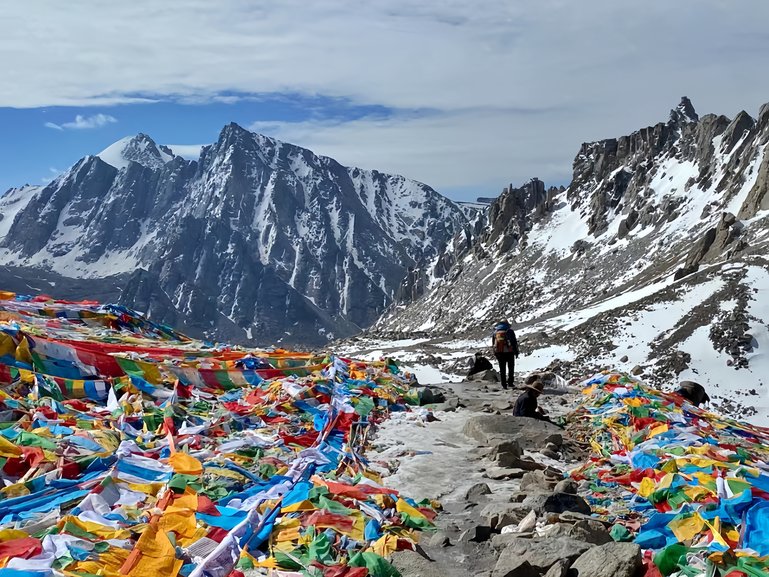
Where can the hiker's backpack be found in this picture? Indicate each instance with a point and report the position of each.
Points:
(501, 343)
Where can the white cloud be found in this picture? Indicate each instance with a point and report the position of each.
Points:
(188, 151)
(52, 173)
(84, 122)
(614, 66)
(476, 150)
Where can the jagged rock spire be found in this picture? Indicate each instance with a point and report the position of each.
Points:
(684, 112)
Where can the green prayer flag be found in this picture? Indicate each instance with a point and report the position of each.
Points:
(320, 550)
(668, 559)
(620, 533)
(377, 566)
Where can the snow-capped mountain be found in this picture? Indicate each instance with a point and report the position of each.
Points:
(655, 255)
(257, 239)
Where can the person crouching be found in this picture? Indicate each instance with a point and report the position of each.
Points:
(527, 404)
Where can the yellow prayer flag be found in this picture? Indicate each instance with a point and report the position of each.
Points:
(23, 352)
(647, 487)
(402, 507)
(185, 464)
(385, 546)
(686, 528)
(11, 534)
(8, 449)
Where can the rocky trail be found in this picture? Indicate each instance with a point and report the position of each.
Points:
(506, 506)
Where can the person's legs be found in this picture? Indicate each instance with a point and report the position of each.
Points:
(511, 370)
(502, 368)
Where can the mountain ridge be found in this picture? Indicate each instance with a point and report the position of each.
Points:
(254, 237)
(673, 217)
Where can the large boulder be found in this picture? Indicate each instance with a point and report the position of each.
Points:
(539, 553)
(556, 503)
(609, 560)
(491, 429)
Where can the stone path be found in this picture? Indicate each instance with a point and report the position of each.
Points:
(489, 472)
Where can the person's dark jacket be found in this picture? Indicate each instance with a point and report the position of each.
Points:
(526, 405)
(511, 339)
(481, 364)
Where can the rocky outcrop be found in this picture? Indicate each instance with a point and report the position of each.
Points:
(712, 245)
(510, 216)
(609, 560)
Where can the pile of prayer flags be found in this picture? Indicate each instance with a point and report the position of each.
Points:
(127, 448)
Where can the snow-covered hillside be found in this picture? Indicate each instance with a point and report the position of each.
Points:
(655, 252)
(257, 239)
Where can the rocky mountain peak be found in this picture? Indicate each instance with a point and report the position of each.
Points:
(140, 149)
(684, 113)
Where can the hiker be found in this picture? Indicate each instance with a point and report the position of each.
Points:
(480, 364)
(693, 392)
(527, 405)
(505, 347)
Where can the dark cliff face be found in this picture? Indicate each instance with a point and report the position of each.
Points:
(258, 239)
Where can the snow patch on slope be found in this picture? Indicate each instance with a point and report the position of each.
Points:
(114, 153)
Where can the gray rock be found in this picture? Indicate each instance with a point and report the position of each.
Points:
(636, 370)
(502, 474)
(502, 540)
(591, 531)
(476, 534)
(511, 447)
(623, 359)
(489, 376)
(536, 480)
(556, 439)
(556, 503)
(515, 568)
(566, 486)
(585, 530)
(510, 461)
(551, 454)
(609, 560)
(502, 405)
(498, 515)
(476, 492)
(540, 553)
(490, 429)
(439, 539)
(560, 569)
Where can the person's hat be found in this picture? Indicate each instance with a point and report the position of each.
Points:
(537, 386)
(531, 378)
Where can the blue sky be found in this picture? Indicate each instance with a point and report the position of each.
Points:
(466, 97)
(34, 150)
